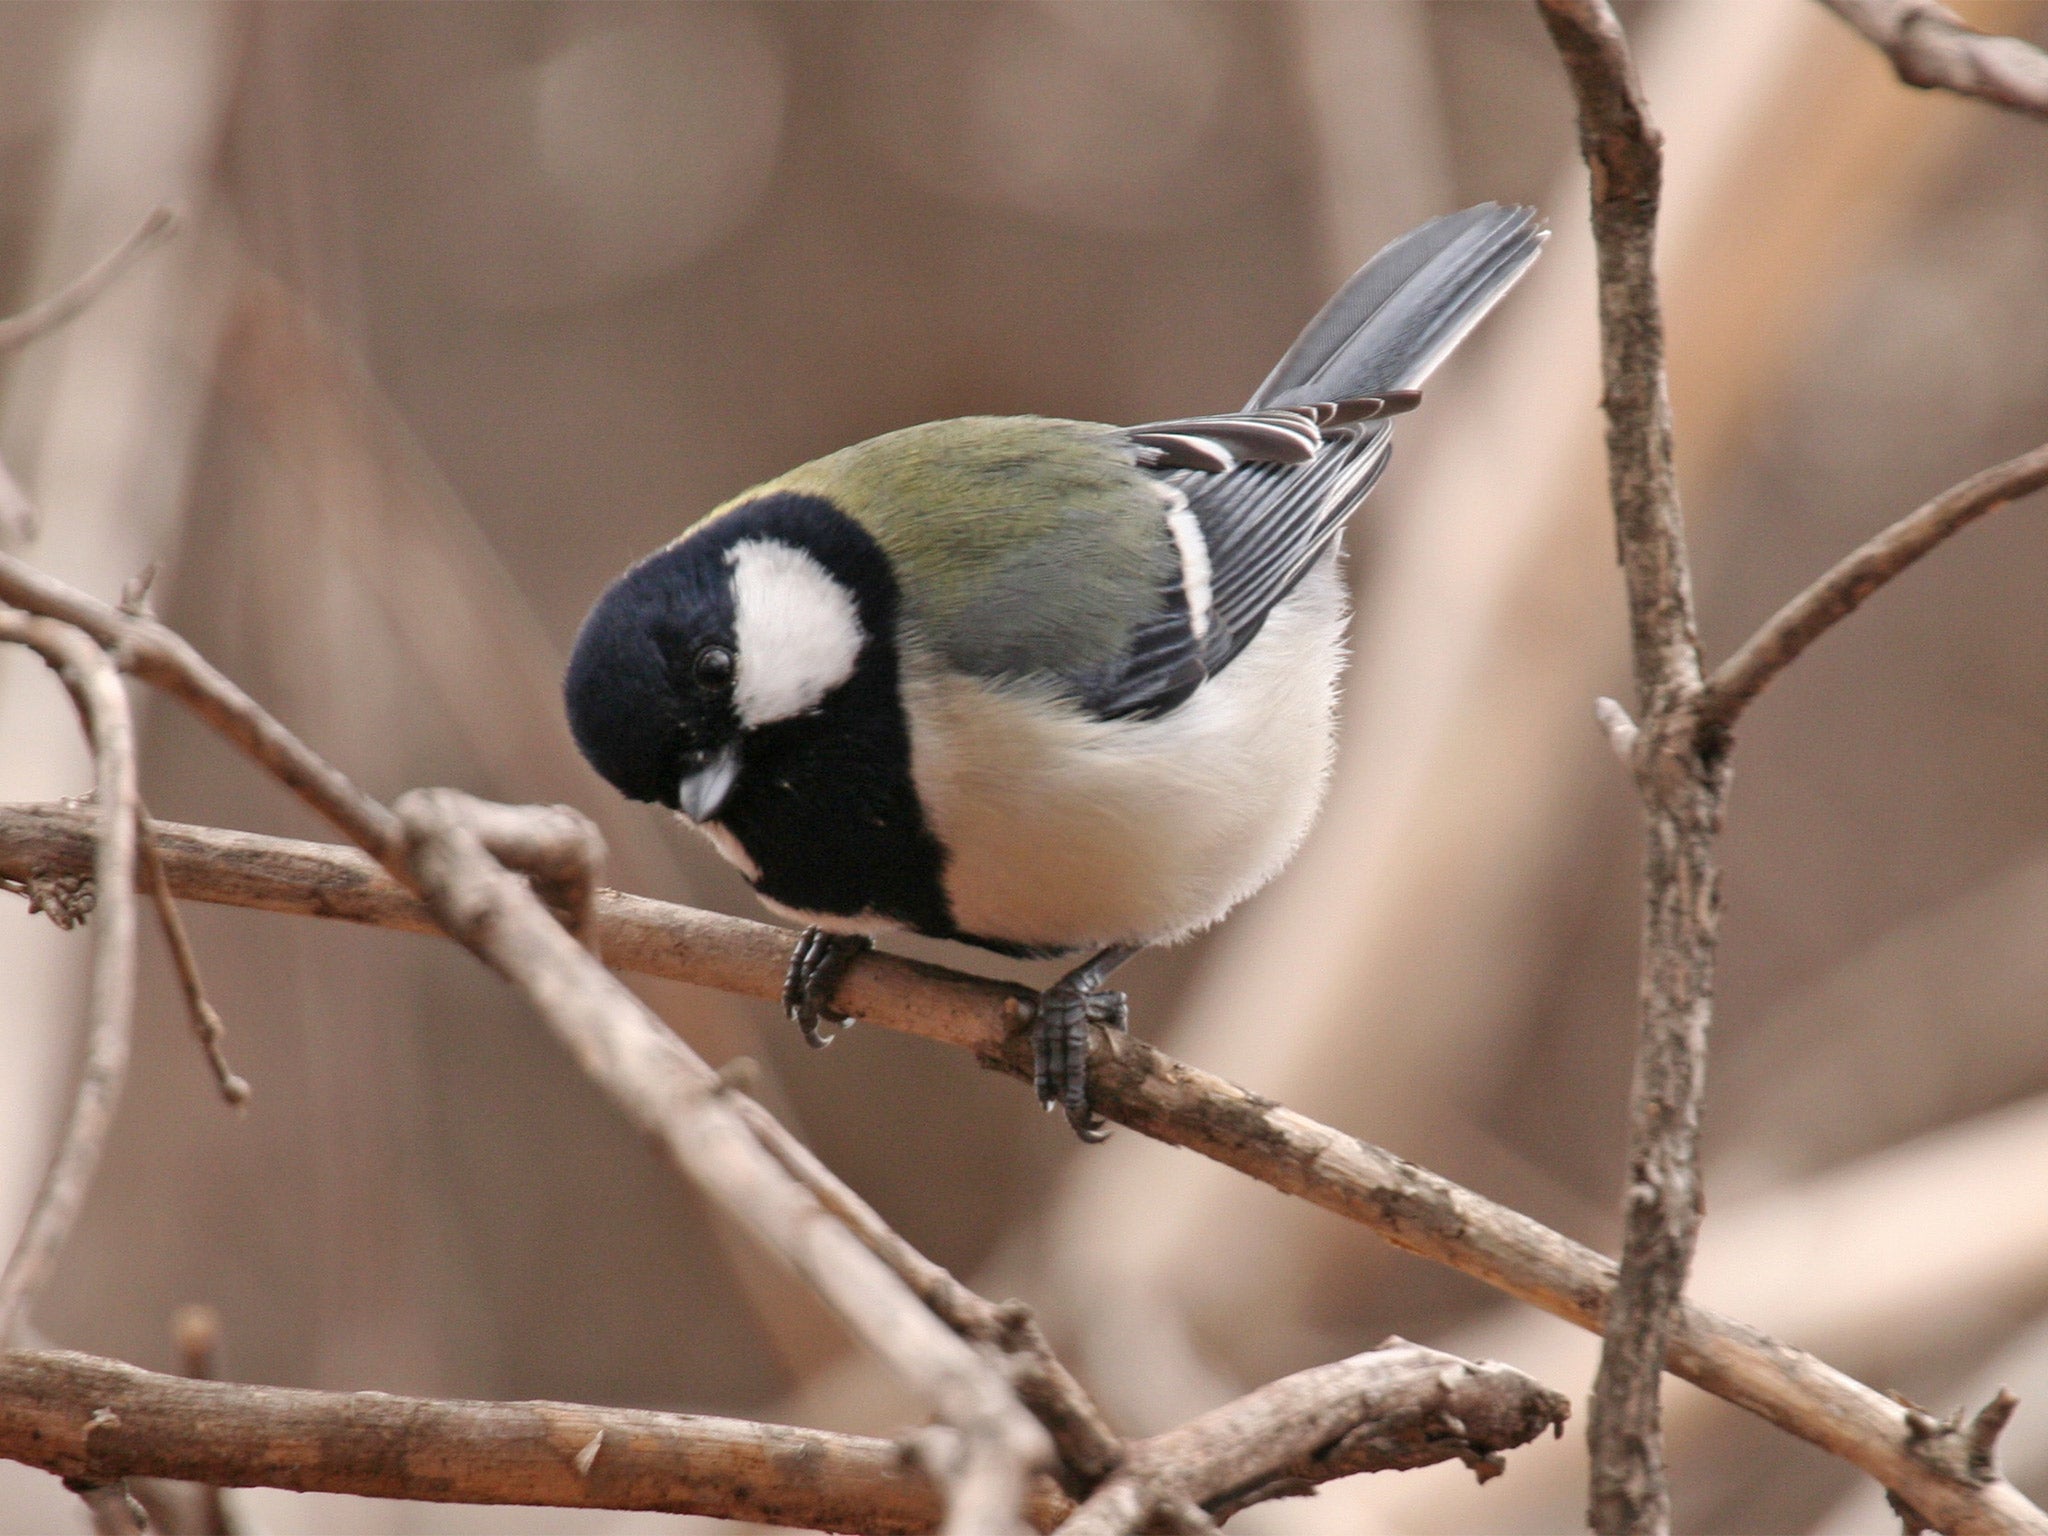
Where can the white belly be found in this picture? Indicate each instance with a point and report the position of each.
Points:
(1069, 832)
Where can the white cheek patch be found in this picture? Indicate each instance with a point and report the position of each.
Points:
(797, 631)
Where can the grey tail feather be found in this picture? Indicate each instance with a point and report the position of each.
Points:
(1403, 311)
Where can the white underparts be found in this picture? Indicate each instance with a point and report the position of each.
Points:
(797, 631)
(1194, 560)
(1067, 832)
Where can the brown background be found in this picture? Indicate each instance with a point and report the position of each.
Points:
(481, 302)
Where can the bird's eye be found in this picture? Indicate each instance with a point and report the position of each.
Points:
(713, 667)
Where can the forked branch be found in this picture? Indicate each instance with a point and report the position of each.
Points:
(672, 1096)
(1680, 772)
(101, 1422)
(1140, 1088)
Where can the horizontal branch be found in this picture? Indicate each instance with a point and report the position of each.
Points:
(1843, 589)
(1139, 1087)
(100, 1421)
(1932, 47)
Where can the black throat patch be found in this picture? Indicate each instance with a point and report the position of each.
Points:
(825, 805)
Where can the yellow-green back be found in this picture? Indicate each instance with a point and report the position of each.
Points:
(1021, 544)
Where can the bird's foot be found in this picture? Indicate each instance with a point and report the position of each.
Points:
(1059, 1045)
(816, 967)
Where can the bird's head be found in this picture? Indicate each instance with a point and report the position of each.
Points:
(760, 616)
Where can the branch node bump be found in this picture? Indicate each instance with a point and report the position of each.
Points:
(1985, 1428)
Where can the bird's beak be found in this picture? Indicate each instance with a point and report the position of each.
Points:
(708, 783)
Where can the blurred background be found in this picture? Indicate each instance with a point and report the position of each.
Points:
(479, 303)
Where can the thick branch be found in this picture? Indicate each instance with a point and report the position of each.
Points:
(1843, 590)
(1932, 47)
(1138, 1087)
(1394, 1407)
(103, 705)
(101, 1421)
(1681, 776)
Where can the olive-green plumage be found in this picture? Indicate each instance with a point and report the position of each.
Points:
(973, 513)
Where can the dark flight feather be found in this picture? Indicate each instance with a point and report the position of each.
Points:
(1272, 487)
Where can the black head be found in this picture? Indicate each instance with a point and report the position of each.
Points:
(759, 617)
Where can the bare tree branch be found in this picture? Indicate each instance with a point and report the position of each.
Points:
(664, 1088)
(671, 1095)
(162, 657)
(103, 706)
(1843, 589)
(1089, 1449)
(1932, 47)
(1140, 1088)
(207, 1027)
(1681, 777)
(17, 331)
(101, 1421)
(1397, 1406)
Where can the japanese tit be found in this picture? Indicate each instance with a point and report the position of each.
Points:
(1041, 686)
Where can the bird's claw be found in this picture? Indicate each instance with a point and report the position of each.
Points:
(816, 967)
(1059, 1050)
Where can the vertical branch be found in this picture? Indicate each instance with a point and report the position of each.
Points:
(1680, 772)
(96, 688)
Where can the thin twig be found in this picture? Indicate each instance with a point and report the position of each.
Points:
(95, 687)
(670, 1094)
(163, 658)
(207, 1027)
(1932, 47)
(1843, 589)
(1138, 1087)
(1681, 778)
(1394, 1407)
(17, 331)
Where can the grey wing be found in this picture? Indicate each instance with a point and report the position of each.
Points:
(1269, 489)
(1265, 495)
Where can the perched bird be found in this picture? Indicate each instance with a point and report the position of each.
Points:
(1036, 685)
